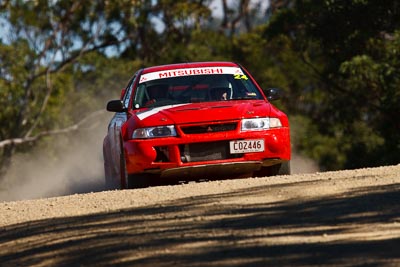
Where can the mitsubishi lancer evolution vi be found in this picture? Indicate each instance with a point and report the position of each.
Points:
(194, 121)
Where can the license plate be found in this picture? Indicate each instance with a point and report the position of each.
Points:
(246, 146)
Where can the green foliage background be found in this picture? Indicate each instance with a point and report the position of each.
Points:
(338, 62)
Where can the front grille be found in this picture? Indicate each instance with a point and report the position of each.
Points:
(209, 128)
(206, 152)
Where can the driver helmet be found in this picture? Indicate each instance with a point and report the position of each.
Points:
(221, 90)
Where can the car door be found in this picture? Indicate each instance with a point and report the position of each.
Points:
(114, 132)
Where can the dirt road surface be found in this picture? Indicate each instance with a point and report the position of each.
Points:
(345, 218)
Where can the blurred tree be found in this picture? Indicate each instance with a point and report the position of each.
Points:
(40, 42)
(354, 97)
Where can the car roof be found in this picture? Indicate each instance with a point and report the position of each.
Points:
(189, 65)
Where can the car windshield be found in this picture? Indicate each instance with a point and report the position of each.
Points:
(154, 91)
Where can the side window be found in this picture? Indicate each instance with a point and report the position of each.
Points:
(128, 92)
(140, 97)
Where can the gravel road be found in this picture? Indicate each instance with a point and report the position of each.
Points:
(344, 218)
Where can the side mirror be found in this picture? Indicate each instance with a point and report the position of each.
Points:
(273, 93)
(116, 106)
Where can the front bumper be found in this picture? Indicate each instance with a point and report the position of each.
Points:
(207, 153)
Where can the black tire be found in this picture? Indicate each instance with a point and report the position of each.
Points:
(109, 182)
(278, 169)
(124, 178)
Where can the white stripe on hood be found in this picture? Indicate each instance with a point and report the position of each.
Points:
(148, 113)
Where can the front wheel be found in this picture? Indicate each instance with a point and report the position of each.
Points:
(277, 169)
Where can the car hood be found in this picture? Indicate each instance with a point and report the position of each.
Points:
(203, 112)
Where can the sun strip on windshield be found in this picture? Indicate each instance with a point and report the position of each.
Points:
(188, 72)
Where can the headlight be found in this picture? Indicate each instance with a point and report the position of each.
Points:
(154, 132)
(260, 124)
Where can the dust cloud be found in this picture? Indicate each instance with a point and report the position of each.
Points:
(301, 164)
(75, 167)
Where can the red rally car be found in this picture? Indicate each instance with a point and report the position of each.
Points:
(193, 121)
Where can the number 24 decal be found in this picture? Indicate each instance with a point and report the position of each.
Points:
(240, 77)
